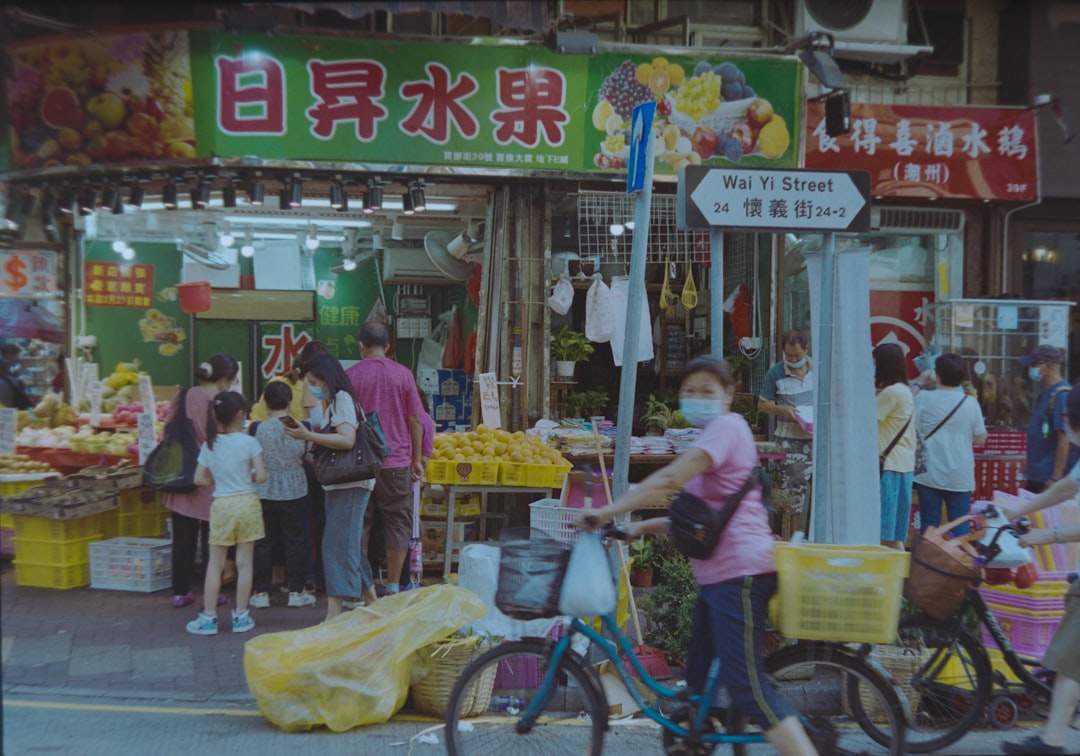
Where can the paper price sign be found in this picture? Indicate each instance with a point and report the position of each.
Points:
(146, 394)
(489, 400)
(9, 425)
(95, 402)
(146, 435)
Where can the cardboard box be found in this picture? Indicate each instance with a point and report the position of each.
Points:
(454, 383)
(433, 538)
(428, 380)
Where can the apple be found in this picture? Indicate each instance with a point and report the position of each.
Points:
(704, 142)
(759, 113)
(78, 158)
(745, 134)
(107, 108)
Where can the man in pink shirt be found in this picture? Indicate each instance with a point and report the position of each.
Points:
(389, 388)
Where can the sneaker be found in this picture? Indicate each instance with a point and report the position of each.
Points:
(241, 623)
(1031, 745)
(348, 604)
(179, 602)
(260, 601)
(203, 625)
(301, 599)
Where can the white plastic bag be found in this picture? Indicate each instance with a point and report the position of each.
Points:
(587, 589)
(562, 296)
(1012, 554)
(433, 346)
(599, 314)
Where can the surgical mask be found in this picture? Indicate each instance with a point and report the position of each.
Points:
(795, 365)
(1073, 438)
(700, 411)
(320, 393)
(1034, 373)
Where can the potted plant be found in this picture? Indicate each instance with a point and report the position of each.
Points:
(644, 562)
(589, 403)
(568, 348)
(659, 415)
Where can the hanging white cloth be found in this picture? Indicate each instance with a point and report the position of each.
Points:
(599, 316)
(620, 299)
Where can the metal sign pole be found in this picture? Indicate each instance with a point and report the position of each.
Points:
(821, 525)
(716, 290)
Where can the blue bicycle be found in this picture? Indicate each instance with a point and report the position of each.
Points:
(538, 695)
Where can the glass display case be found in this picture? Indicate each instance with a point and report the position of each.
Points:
(991, 335)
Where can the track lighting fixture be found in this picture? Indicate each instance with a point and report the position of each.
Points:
(226, 238)
(119, 245)
(168, 195)
(416, 192)
(248, 249)
(348, 264)
(12, 218)
(228, 194)
(296, 193)
(66, 204)
(128, 254)
(283, 199)
(339, 199)
(256, 193)
(397, 231)
(117, 204)
(373, 198)
(407, 207)
(312, 241)
(88, 201)
(48, 212)
(109, 196)
(138, 194)
(200, 197)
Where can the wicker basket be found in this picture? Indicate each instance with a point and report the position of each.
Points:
(902, 663)
(436, 670)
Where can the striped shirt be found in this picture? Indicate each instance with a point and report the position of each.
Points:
(783, 387)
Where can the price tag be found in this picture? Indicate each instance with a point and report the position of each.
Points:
(489, 400)
(95, 402)
(147, 436)
(9, 426)
(146, 394)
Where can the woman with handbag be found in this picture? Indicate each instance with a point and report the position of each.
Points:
(948, 424)
(347, 572)
(896, 443)
(191, 511)
(738, 577)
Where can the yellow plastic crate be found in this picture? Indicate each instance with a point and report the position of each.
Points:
(13, 484)
(475, 473)
(46, 529)
(139, 501)
(33, 575)
(535, 476)
(7, 521)
(840, 593)
(61, 553)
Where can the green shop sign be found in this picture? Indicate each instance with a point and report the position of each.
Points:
(520, 107)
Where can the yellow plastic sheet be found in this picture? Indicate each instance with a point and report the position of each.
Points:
(353, 670)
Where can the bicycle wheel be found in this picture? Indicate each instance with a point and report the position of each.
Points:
(816, 679)
(947, 686)
(489, 700)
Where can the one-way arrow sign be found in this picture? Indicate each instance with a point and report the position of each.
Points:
(775, 200)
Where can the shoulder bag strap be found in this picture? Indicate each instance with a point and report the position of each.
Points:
(736, 498)
(896, 439)
(945, 419)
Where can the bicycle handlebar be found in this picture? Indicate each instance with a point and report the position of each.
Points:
(611, 530)
(1021, 526)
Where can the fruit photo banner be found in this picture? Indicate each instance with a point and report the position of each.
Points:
(935, 152)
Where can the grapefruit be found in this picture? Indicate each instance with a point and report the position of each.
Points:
(56, 107)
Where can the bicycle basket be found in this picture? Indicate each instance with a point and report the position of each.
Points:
(532, 566)
(937, 582)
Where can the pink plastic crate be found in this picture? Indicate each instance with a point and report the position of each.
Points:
(1042, 597)
(518, 674)
(7, 546)
(1029, 634)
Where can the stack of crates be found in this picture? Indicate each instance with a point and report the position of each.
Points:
(9, 486)
(54, 553)
(1028, 616)
(140, 513)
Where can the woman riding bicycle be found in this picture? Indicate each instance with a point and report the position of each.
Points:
(738, 579)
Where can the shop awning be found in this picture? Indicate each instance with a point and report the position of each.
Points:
(27, 319)
(509, 14)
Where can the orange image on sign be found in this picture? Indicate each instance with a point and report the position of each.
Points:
(119, 284)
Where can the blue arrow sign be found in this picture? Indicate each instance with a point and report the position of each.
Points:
(641, 129)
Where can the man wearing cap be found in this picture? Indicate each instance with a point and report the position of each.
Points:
(1049, 454)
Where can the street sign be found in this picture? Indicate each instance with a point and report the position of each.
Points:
(774, 200)
(641, 120)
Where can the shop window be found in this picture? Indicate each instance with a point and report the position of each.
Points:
(1051, 265)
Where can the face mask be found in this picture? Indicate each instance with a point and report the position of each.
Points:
(700, 411)
(795, 365)
(320, 393)
(1034, 373)
(1073, 438)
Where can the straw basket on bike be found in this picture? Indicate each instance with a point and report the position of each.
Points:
(438, 666)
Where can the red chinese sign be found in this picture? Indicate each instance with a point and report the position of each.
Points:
(280, 347)
(899, 317)
(921, 151)
(119, 284)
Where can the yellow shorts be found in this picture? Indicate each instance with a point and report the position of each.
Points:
(236, 519)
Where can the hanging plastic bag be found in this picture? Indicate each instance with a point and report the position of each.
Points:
(667, 298)
(454, 354)
(1012, 553)
(599, 315)
(354, 669)
(587, 589)
(689, 290)
(562, 296)
(434, 344)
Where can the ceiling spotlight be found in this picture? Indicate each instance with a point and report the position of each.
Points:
(377, 241)
(128, 254)
(138, 194)
(226, 238)
(200, 195)
(616, 229)
(348, 264)
(117, 205)
(339, 200)
(168, 195)
(228, 194)
(109, 196)
(119, 246)
(88, 201)
(419, 202)
(248, 249)
(372, 198)
(397, 231)
(256, 193)
(296, 193)
(407, 206)
(66, 203)
(629, 225)
(312, 241)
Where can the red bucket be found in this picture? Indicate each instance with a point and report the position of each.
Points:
(194, 296)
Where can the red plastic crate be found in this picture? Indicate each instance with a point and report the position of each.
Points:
(1007, 442)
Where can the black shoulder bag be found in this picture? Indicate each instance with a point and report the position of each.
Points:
(171, 465)
(362, 462)
(696, 527)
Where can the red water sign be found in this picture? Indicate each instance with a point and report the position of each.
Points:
(936, 152)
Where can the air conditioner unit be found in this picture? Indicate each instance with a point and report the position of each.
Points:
(872, 30)
(409, 265)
